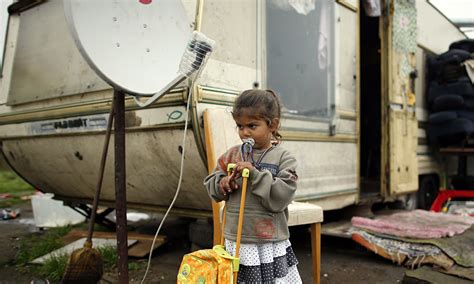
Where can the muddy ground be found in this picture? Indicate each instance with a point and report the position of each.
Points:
(343, 261)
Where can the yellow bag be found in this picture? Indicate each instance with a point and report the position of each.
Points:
(210, 266)
(216, 265)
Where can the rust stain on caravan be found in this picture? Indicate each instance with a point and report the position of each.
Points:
(131, 119)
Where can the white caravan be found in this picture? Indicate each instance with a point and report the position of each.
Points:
(354, 112)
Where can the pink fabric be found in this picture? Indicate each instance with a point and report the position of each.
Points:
(418, 224)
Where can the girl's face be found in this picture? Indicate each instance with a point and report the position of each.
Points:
(256, 128)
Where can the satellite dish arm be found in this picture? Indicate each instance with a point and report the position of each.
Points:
(156, 96)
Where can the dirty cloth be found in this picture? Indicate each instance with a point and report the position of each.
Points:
(460, 247)
(432, 276)
(403, 253)
(460, 271)
(418, 224)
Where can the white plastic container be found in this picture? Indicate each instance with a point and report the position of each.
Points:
(48, 212)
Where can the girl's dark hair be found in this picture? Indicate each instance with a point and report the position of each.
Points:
(263, 104)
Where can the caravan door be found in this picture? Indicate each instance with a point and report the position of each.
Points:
(399, 173)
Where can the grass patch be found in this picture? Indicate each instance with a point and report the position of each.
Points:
(109, 256)
(35, 245)
(10, 202)
(54, 267)
(11, 183)
(132, 266)
(15, 186)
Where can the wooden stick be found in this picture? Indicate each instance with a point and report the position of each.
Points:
(223, 225)
(245, 176)
(98, 187)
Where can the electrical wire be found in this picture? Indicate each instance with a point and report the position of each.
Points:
(178, 188)
(194, 58)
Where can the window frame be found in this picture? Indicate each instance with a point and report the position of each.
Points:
(330, 75)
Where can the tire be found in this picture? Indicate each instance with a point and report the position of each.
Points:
(427, 192)
(452, 56)
(443, 65)
(448, 102)
(464, 44)
(451, 73)
(469, 104)
(462, 87)
(451, 132)
(442, 117)
(466, 114)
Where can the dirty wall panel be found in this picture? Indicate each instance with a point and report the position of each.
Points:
(47, 62)
(404, 162)
(403, 47)
(233, 25)
(346, 59)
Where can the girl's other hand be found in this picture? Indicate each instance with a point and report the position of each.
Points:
(239, 167)
(227, 185)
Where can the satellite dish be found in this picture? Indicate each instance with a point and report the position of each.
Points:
(134, 45)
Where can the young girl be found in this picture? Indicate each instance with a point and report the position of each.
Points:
(266, 255)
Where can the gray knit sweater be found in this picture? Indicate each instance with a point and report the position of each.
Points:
(270, 189)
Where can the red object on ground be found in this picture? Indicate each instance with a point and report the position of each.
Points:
(445, 195)
(5, 195)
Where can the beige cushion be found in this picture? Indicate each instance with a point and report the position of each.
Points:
(304, 213)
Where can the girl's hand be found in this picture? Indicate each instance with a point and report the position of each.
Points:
(239, 167)
(227, 185)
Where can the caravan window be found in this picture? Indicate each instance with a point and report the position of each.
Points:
(300, 59)
(3, 29)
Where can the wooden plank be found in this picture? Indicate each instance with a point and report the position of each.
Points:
(76, 234)
(140, 249)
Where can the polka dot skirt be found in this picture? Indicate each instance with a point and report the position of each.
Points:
(266, 263)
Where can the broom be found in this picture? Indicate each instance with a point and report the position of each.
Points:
(85, 265)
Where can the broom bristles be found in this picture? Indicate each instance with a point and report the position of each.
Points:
(85, 266)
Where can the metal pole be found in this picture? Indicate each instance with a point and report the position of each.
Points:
(120, 190)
